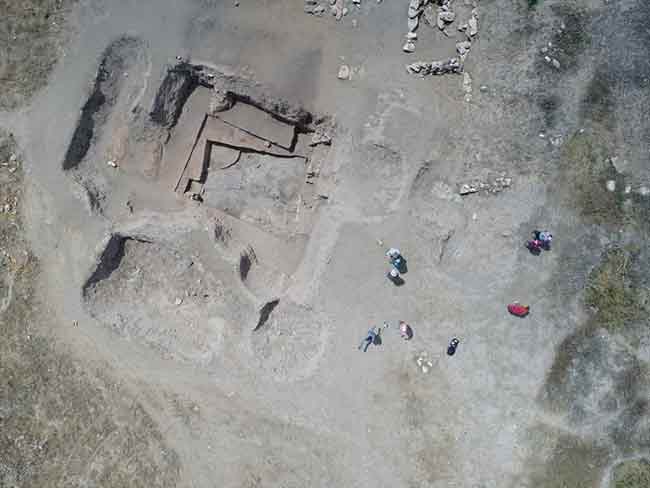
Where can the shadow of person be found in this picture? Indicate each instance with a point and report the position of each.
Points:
(377, 340)
(397, 280)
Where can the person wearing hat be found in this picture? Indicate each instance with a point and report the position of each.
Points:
(394, 276)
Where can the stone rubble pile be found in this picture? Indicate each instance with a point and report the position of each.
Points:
(336, 7)
(424, 362)
(320, 136)
(498, 184)
(423, 68)
(442, 19)
(550, 51)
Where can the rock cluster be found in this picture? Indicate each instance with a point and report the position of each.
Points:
(314, 8)
(320, 136)
(550, 51)
(497, 185)
(424, 362)
(336, 7)
(546, 50)
(10, 204)
(442, 18)
(423, 68)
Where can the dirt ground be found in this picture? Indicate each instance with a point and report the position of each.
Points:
(195, 211)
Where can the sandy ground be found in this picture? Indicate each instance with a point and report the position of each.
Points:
(163, 294)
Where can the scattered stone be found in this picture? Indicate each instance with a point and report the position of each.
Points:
(408, 47)
(611, 185)
(320, 137)
(111, 163)
(555, 63)
(344, 72)
(178, 301)
(483, 88)
(423, 68)
(547, 59)
(463, 48)
(544, 50)
(497, 185)
(467, 86)
(429, 15)
(423, 362)
(466, 189)
(219, 101)
(444, 18)
(472, 24)
(502, 181)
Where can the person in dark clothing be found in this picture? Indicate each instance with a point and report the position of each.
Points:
(453, 344)
(394, 276)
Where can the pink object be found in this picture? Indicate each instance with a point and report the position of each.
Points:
(518, 310)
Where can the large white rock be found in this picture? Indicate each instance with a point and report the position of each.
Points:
(472, 25)
(408, 47)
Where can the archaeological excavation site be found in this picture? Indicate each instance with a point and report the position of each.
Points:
(325, 243)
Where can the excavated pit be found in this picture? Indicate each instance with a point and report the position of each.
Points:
(153, 293)
(236, 148)
(123, 55)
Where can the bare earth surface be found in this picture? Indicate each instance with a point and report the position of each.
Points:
(195, 211)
